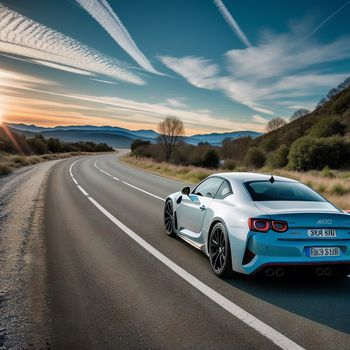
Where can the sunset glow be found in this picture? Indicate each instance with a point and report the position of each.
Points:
(51, 76)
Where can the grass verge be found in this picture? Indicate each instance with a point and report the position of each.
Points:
(335, 188)
(9, 162)
(190, 174)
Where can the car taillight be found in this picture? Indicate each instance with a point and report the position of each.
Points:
(260, 225)
(279, 226)
(264, 225)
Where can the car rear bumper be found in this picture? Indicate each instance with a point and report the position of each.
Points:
(291, 254)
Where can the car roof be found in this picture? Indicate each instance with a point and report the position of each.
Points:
(245, 177)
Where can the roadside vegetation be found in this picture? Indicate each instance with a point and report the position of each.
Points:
(17, 150)
(314, 147)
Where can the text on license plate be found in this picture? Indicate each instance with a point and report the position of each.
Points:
(322, 232)
(322, 251)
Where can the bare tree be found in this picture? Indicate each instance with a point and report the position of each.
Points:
(299, 113)
(275, 124)
(170, 130)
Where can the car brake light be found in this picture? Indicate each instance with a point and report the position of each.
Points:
(279, 226)
(263, 225)
(260, 225)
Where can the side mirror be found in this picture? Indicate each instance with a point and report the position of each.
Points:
(186, 191)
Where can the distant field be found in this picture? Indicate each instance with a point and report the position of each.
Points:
(333, 184)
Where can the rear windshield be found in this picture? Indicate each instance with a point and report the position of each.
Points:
(281, 191)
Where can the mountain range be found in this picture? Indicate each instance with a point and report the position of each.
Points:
(118, 137)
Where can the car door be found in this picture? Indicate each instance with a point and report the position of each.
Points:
(191, 210)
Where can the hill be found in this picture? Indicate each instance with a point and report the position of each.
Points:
(116, 136)
(337, 107)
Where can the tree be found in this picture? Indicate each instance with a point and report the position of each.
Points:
(275, 124)
(321, 102)
(138, 143)
(299, 113)
(255, 158)
(211, 159)
(279, 158)
(170, 130)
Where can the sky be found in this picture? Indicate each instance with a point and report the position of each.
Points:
(218, 65)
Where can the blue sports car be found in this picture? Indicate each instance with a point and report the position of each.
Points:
(259, 224)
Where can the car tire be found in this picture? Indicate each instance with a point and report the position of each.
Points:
(220, 251)
(169, 218)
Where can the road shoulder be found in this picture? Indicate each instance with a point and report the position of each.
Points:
(23, 319)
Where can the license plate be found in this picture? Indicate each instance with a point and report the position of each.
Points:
(322, 232)
(316, 252)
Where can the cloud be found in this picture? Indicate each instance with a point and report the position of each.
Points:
(259, 119)
(10, 79)
(105, 81)
(281, 54)
(279, 67)
(24, 96)
(62, 67)
(197, 70)
(203, 73)
(232, 22)
(102, 12)
(22, 36)
(176, 102)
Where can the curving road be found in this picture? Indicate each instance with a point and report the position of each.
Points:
(116, 281)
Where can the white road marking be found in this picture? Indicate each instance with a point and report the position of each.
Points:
(83, 191)
(140, 189)
(126, 183)
(270, 333)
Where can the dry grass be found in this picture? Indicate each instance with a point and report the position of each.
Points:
(334, 185)
(335, 188)
(184, 173)
(10, 162)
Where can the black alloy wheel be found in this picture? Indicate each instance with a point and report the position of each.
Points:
(219, 251)
(169, 218)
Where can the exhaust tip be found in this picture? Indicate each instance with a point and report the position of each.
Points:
(319, 271)
(269, 272)
(328, 271)
(280, 272)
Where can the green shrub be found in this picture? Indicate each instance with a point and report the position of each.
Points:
(328, 126)
(279, 158)
(19, 160)
(255, 158)
(327, 172)
(321, 188)
(339, 190)
(4, 169)
(342, 103)
(310, 184)
(270, 143)
(138, 143)
(211, 159)
(229, 164)
(315, 153)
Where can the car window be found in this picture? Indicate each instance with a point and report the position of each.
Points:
(224, 190)
(281, 191)
(209, 187)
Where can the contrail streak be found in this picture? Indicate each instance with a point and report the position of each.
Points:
(22, 36)
(102, 12)
(232, 22)
(327, 19)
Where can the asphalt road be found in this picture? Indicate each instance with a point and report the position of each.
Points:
(116, 281)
